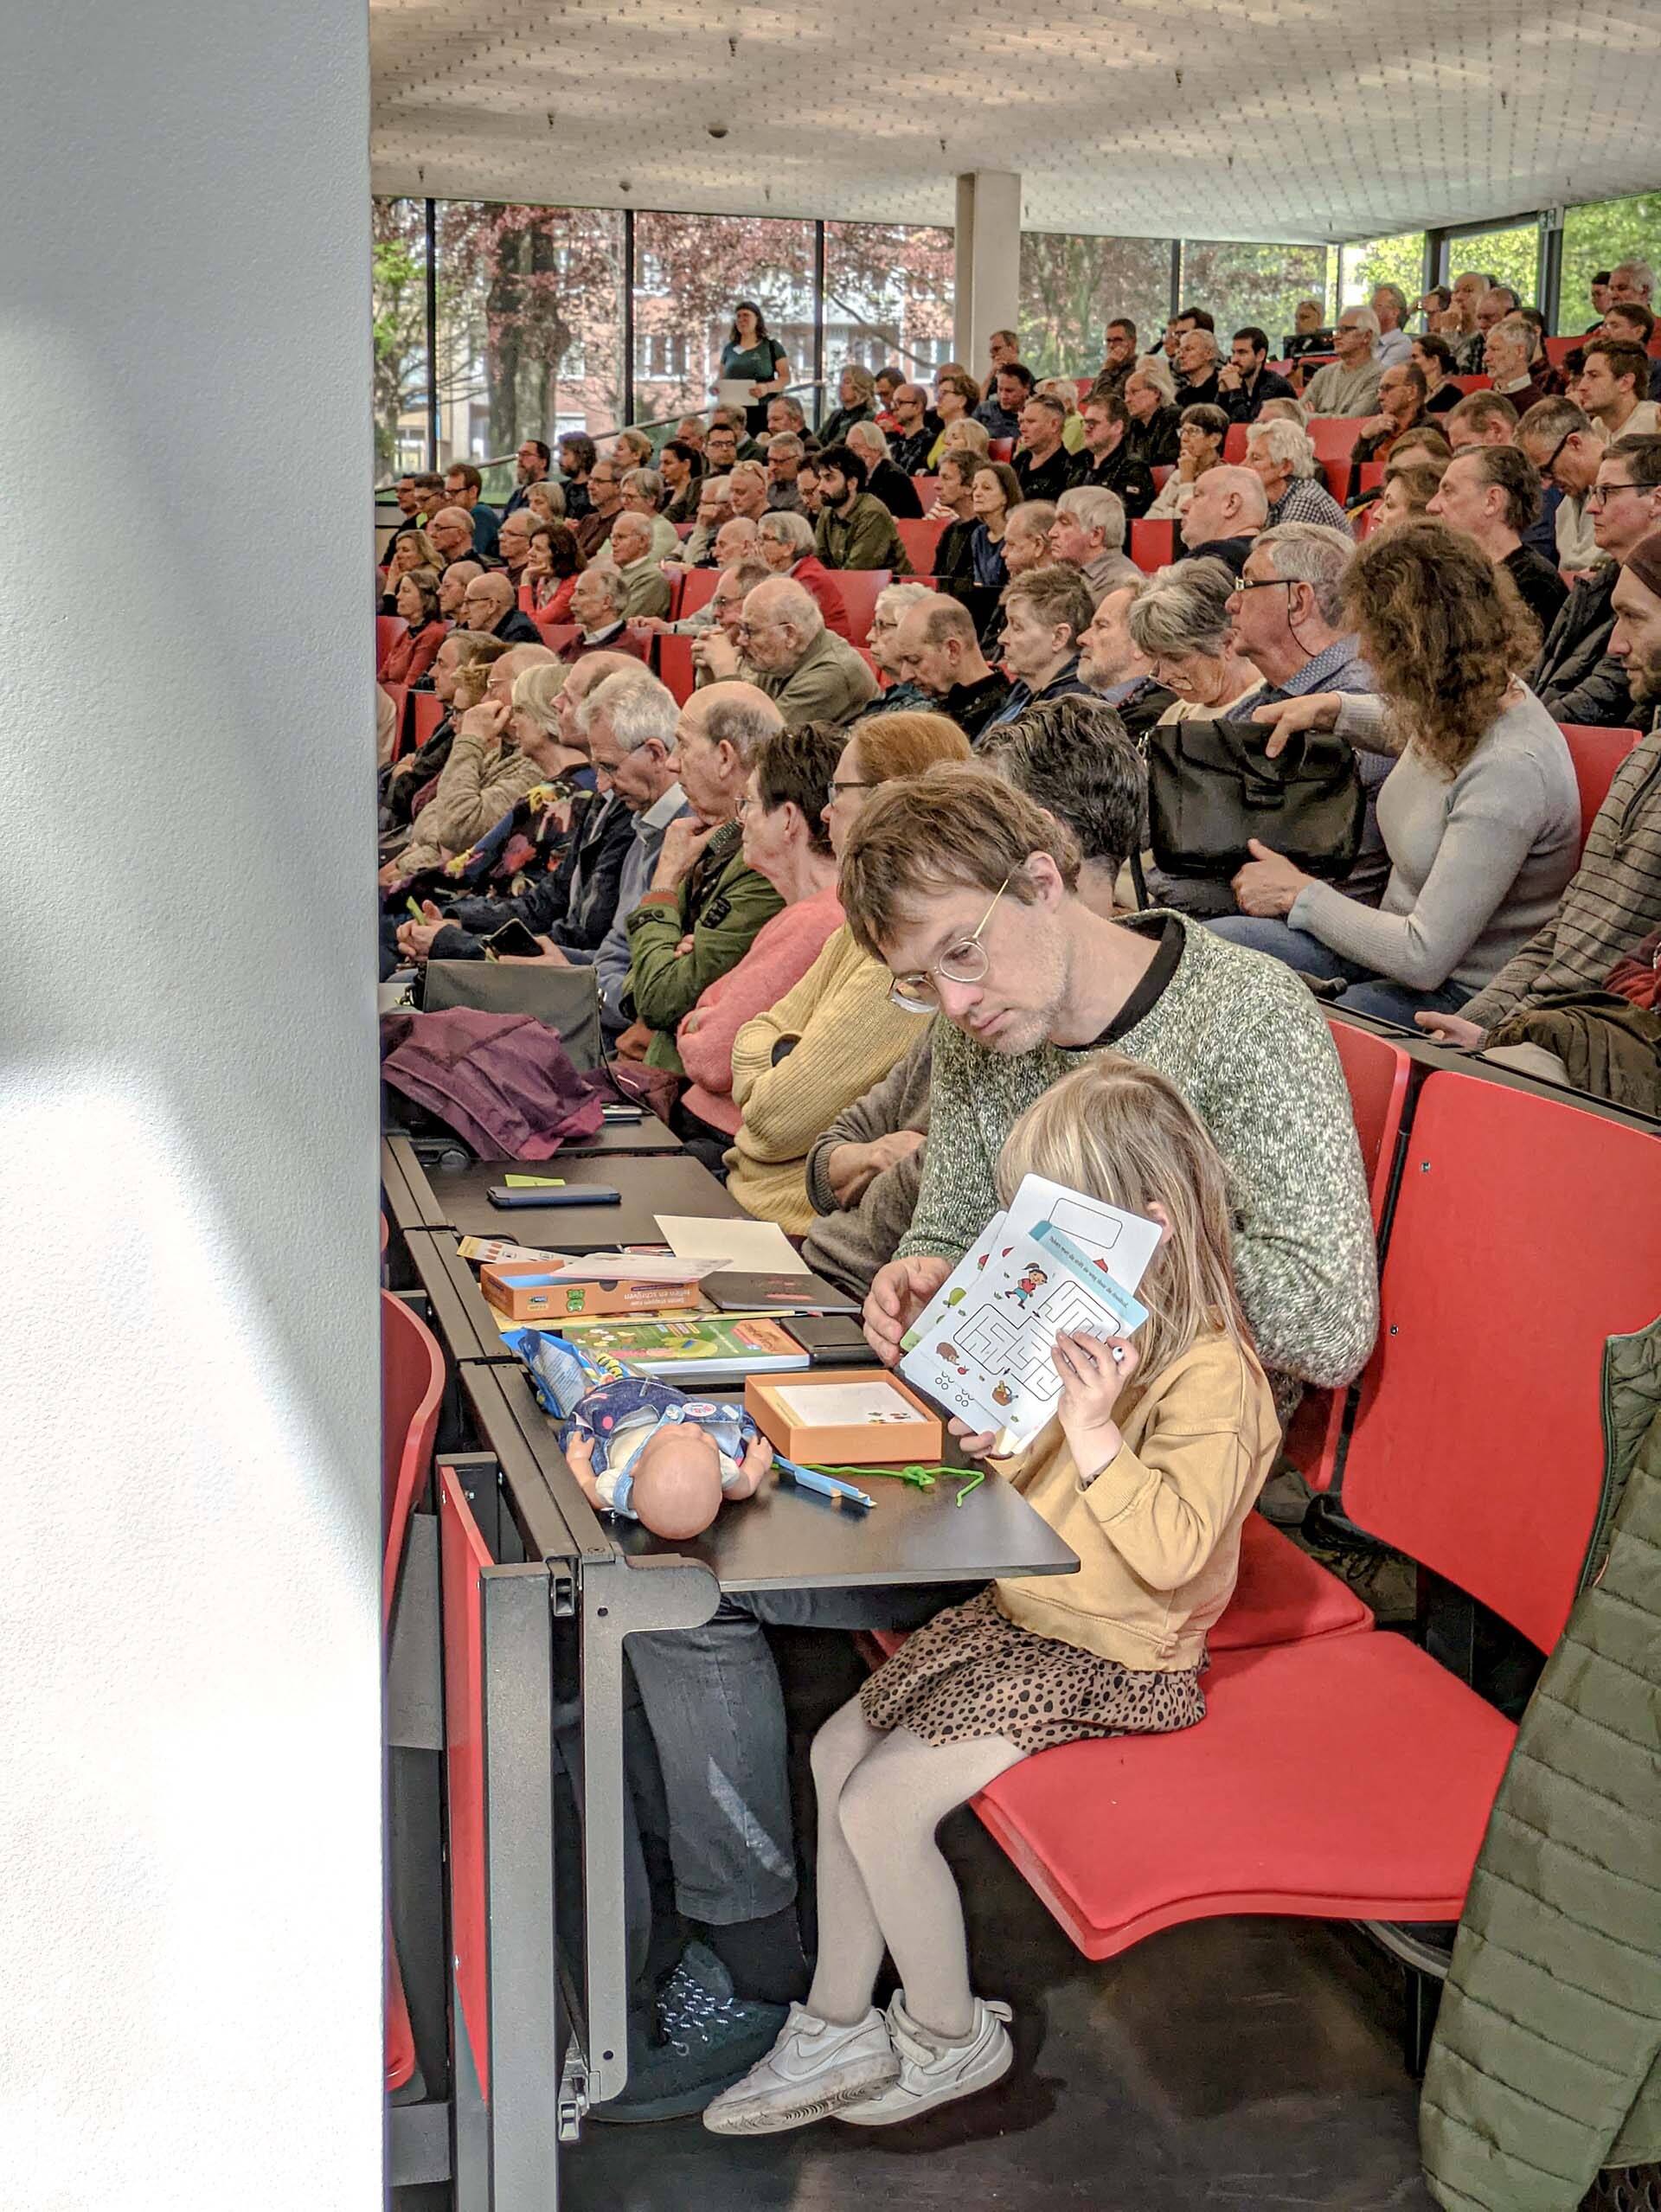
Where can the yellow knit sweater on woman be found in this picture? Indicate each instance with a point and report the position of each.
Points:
(845, 1033)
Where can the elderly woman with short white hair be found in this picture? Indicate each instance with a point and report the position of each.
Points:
(883, 479)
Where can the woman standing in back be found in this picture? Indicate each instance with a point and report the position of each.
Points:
(750, 354)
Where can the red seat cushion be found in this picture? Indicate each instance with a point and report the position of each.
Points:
(1349, 1777)
(1283, 1596)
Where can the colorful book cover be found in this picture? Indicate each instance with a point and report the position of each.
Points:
(1054, 1261)
(709, 1345)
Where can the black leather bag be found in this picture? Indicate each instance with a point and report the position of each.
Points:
(1211, 787)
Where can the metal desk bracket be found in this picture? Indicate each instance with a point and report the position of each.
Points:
(619, 1598)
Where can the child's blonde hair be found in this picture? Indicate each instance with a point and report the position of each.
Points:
(1124, 1133)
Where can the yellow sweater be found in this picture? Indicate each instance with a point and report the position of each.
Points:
(1157, 1532)
(847, 1034)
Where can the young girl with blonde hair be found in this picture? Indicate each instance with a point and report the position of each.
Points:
(1158, 1448)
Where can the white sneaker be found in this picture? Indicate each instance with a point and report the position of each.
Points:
(814, 2068)
(930, 2076)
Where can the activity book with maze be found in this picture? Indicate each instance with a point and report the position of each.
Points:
(1054, 1261)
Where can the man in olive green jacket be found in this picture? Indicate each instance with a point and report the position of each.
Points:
(854, 530)
(810, 674)
(704, 905)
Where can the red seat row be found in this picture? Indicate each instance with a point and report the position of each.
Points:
(1348, 1774)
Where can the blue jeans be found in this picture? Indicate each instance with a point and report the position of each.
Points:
(1368, 992)
(712, 1698)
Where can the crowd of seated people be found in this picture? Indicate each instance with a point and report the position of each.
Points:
(875, 921)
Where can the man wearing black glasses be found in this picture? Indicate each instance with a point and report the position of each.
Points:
(1565, 446)
(1577, 677)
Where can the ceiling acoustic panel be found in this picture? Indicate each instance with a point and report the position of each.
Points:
(1279, 119)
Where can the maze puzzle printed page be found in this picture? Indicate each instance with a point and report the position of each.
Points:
(1056, 1261)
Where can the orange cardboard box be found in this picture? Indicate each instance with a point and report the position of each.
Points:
(532, 1291)
(852, 1416)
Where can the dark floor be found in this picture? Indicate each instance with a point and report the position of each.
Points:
(1241, 2063)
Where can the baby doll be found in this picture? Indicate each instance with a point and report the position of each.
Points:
(641, 1448)
(646, 1450)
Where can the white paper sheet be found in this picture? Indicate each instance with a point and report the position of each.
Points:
(751, 1247)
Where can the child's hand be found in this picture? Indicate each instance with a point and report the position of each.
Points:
(1094, 1371)
(752, 1469)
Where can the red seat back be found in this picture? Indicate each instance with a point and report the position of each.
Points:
(1336, 474)
(1233, 443)
(1377, 1073)
(1152, 544)
(556, 636)
(1526, 1231)
(674, 666)
(1469, 384)
(412, 1383)
(1001, 449)
(859, 588)
(919, 539)
(388, 629)
(426, 712)
(927, 489)
(1371, 475)
(698, 589)
(1596, 753)
(1333, 436)
(1558, 349)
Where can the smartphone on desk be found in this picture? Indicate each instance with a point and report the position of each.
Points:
(585, 1194)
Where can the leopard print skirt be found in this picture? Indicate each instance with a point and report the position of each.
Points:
(971, 1672)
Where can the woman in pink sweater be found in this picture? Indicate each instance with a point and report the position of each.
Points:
(787, 841)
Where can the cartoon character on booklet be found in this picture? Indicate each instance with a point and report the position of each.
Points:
(1028, 1284)
(644, 1449)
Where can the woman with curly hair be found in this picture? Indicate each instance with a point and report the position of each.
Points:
(1479, 814)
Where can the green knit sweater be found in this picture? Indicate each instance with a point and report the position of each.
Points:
(1244, 1041)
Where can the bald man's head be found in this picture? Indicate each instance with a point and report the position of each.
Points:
(452, 587)
(630, 538)
(781, 621)
(486, 602)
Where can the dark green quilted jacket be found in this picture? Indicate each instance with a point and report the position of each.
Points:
(1547, 2061)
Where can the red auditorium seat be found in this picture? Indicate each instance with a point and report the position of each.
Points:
(859, 589)
(1352, 1776)
(1336, 474)
(412, 1383)
(1001, 449)
(1233, 443)
(388, 629)
(1558, 349)
(554, 634)
(1378, 1075)
(1152, 544)
(1596, 753)
(674, 666)
(698, 589)
(1333, 435)
(927, 489)
(919, 539)
(426, 712)
(1371, 475)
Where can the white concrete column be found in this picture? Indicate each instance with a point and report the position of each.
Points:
(190, 1910)
(988, 295)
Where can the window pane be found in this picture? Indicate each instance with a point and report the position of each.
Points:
(1600, 236)
(889, 291)
(689, 272)
(398, 297)
(1244, 284)
(1071, 288)
(530, 329)
(1512, 256)
(1368, 262)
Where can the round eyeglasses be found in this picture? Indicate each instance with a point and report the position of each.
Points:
(966, 962)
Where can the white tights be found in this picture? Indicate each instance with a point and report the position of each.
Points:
(882, 1880)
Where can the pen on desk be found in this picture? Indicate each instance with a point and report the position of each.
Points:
(824, 1486)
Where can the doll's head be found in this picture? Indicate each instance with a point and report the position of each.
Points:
(676, 1474)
